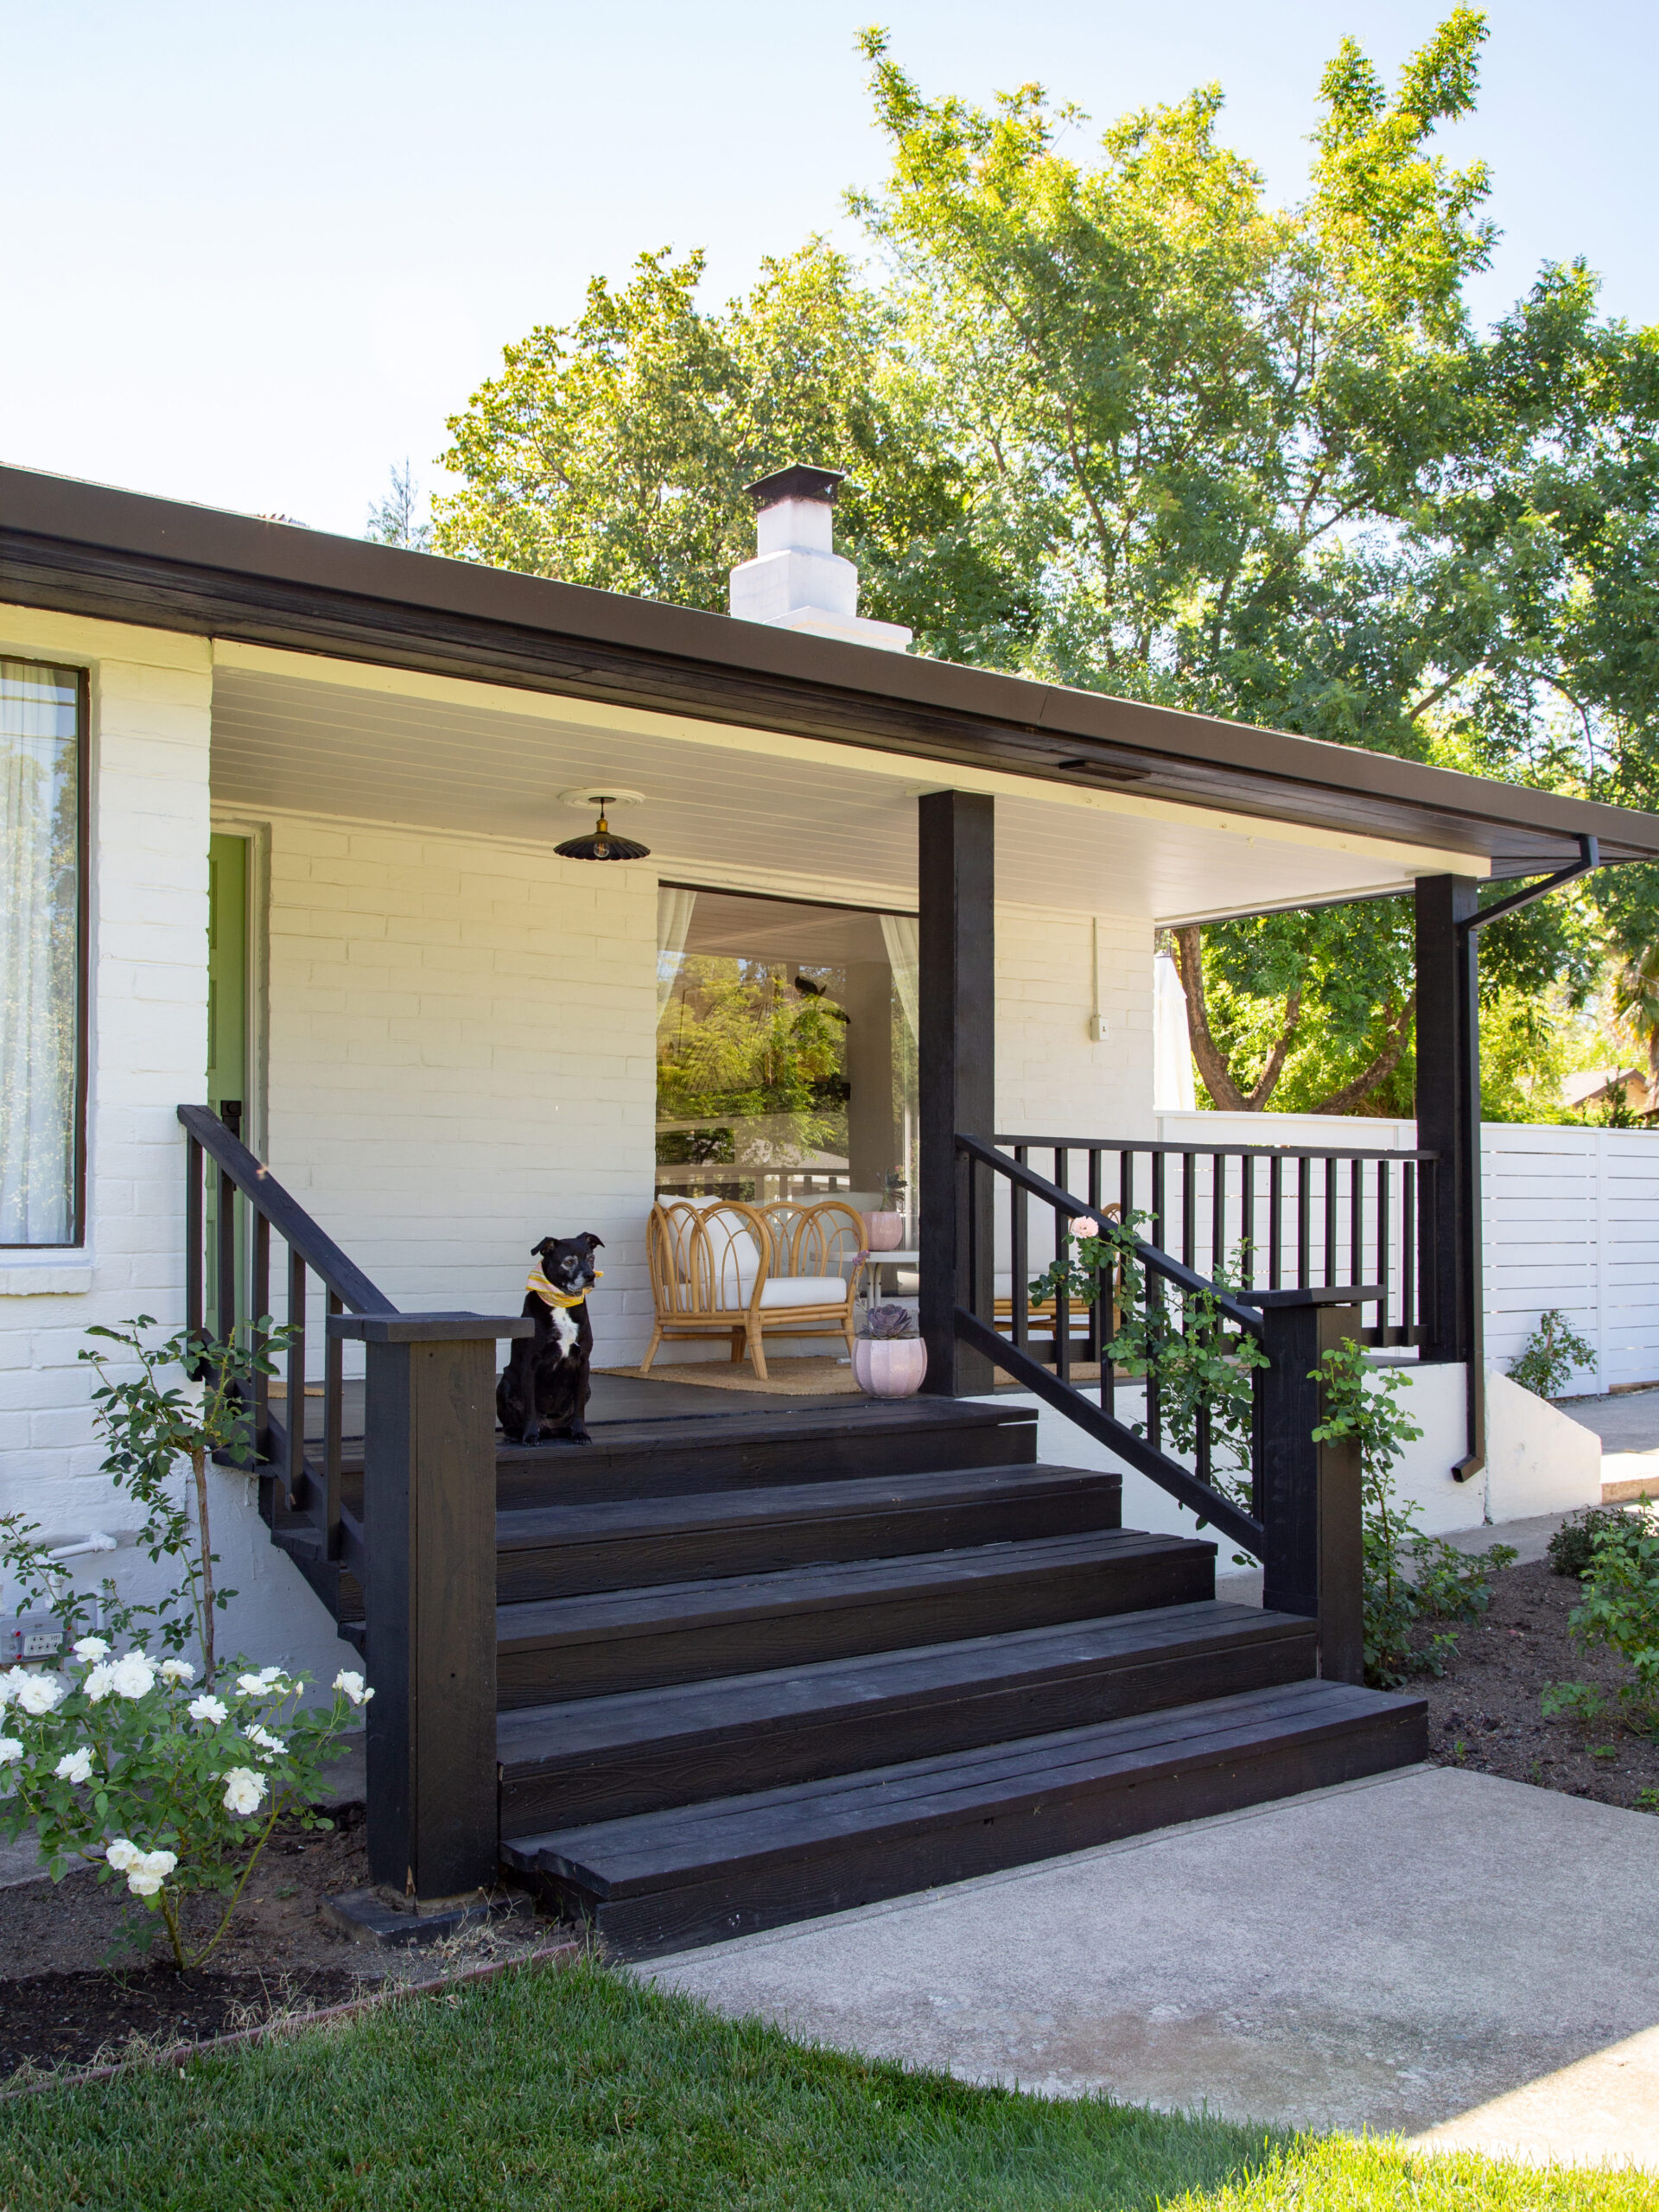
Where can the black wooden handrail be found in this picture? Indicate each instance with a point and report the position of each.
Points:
(285, 1214)
(1173, 1271)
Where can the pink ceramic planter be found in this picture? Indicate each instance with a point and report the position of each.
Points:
(885, 1232)
(889, 1367)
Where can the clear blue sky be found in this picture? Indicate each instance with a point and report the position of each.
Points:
(253, 253)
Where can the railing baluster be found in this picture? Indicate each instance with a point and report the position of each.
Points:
(1062, 1303)
(224, 1271)
(1189, 1207)
(1202, 1455)
(334, 1412)
(1409, 1251)
(1383, 1242)
(256, 1337)
(1097, 1331)
(1019, 1258)
(1303, 1178)
(1356, 1222)
(1155, 1302)
(1247, 1217)
(1330, 1220)
(294, 1408)
(1219, 1211)
(193, 1233)
(1275, 1219)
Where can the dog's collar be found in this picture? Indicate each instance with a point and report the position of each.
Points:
(550, 1295)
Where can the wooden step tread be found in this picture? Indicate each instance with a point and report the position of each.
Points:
(882, 1807)
(682, 1716)
(672, 1606)
(774, 1418)
(529, 1528)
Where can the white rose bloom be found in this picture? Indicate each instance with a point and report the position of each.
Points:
(160, 1862)
(90, 1647)
(121, 1854)
(177, 1670)
(38, 1693)
(7, 1686)
(350, 1683)
(267, 1743)
(96, 1687)
(142, 1884)
(268, 1678)
(245, 1790)
(75, 1766)
(10, 1750)
(132, 1676)
(208, 1708)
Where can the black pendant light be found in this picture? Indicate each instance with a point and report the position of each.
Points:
(603, 843)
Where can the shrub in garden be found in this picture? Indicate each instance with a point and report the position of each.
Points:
(1412, 1580)
(1549, 1356)
(1573, 1547)
(1620, 1608)
(167, 1772)
(123, 1763)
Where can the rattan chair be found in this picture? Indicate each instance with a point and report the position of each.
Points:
(743, 1271)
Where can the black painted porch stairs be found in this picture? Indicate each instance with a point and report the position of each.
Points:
(760, 1665)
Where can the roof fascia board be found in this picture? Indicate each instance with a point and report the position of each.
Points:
(179, 566)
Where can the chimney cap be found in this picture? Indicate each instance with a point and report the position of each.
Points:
(802, 481)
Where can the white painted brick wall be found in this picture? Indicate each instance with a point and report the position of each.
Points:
(151, 699)
(462, 1060)
(1052, 1079)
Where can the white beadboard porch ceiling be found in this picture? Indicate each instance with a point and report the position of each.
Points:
(303, 733)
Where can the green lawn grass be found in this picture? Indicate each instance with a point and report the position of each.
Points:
(585, 2089)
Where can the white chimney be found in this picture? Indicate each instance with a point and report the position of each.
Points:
(796, 579)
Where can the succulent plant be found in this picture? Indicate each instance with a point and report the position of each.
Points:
(888, 1321)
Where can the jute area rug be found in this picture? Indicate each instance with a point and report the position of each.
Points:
(788, 1378)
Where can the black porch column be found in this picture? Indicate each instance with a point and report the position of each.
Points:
(1448, 1125)
(956, 1055)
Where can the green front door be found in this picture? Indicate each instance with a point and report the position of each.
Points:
(227, 1025)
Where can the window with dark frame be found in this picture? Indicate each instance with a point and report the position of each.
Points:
(42, 953)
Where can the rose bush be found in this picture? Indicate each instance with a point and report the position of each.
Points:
(118, 1764)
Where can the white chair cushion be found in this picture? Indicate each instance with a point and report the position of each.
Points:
(800, 1290)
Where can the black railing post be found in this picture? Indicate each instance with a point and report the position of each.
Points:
(1448, 1125)
(429, 1499)
(955, 886)
(1309, 1493)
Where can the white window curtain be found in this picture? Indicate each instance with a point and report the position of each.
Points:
(901, 934)
(40, 951)
(673, 927)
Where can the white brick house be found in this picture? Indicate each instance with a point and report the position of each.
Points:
(451, 1031)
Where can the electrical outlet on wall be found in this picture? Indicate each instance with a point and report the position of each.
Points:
(1099, 1029)
(30, 1635)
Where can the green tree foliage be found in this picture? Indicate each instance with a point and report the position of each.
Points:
(1115, 420)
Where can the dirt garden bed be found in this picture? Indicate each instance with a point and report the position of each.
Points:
(74, 1995)
(1485, 1713)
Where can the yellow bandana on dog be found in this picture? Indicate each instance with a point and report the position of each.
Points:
(551, 1296)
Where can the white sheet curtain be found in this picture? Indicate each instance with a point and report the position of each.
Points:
(673, 927)
(901, 934)
(1173, 1089)
(40, 961)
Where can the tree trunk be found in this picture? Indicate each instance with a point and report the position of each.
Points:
(1212, 1066)
(1343, 1101)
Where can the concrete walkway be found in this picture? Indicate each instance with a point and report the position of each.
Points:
(1628, 1425)
(1445, 1955)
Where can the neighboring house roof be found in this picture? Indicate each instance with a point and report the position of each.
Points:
(88, 549)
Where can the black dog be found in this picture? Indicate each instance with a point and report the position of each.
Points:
(544, 1386)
